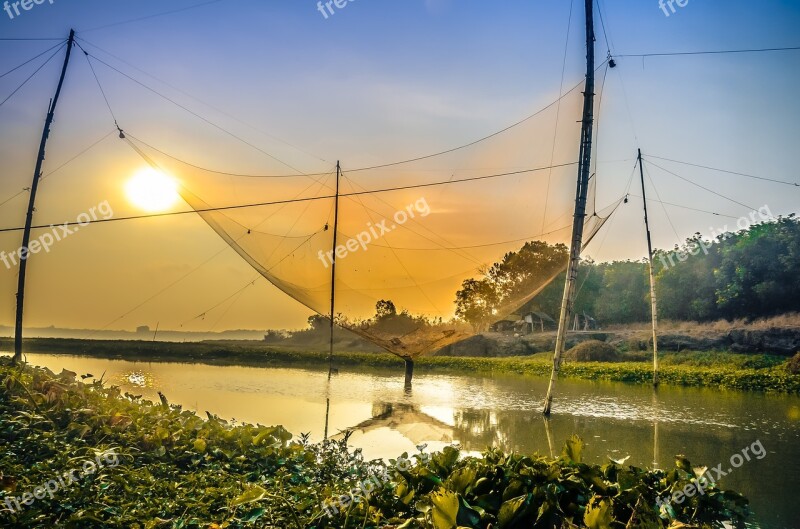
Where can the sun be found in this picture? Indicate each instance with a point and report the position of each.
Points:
(152, 190)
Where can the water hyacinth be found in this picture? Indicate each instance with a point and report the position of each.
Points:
(178, 470)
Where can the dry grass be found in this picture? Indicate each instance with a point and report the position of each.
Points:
(790, 320)
(592, 351)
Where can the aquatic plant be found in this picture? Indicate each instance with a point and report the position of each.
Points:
(177, 470)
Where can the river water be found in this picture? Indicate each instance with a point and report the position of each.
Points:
(709, 426)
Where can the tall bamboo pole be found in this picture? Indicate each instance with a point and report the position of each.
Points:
(26, 234)
(333, 297)
(653, 306)
(581, 193)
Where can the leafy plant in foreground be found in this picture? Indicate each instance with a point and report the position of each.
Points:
(181, 471)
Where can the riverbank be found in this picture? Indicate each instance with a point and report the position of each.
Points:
(83, 455)
(698, 369)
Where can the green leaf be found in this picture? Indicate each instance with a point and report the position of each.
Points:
(573, 449)
(199, 445)
(252, 494)
(467, 516)
(445, 509)
(598, 514)
(461, 479)
(508, 510)
(682, 463)
(254, 515)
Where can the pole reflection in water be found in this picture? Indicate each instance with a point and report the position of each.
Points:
(549, 433)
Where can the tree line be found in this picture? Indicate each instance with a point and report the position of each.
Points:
(751, 273)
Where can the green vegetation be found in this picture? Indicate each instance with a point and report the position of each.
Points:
(701, 369)
(505, 283)
(793, 365)
(748, 274)
(176, 470)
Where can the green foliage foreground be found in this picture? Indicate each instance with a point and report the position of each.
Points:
(176, 470)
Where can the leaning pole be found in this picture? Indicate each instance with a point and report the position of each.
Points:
(26, 234)
(653, 304)
(576, 244)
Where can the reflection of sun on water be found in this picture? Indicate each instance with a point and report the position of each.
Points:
(138, 379)
(152, 190)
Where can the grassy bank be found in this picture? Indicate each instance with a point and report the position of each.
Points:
(714, 370)
(84, 456)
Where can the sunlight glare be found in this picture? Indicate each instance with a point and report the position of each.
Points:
(152, 190)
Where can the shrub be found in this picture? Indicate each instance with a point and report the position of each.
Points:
(175, 469)
(793, 365)
(592, 351)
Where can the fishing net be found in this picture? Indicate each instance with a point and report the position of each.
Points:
(427, 252)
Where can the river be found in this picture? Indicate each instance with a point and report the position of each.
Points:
(616, 420)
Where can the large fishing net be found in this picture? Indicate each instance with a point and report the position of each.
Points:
(428, 251)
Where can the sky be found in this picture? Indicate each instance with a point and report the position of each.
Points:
(374, 82)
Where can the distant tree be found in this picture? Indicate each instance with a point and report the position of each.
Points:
(522, 272)
(508, 282)
(318, 322)
(758, 270)
(685, 285)
(590, 282)
(385, 309)
(624, 297)
(752, 273)
(476, 302)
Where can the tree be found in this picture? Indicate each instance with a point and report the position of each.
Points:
(677, 269)
(507, 284)
(476, 302)
(590, 283)
(624, 297)
(385, 309)
(758, 270)
(318, 322)
(523, 272)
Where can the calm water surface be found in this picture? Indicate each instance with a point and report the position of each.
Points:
(616, 420)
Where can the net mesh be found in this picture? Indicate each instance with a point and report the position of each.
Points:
(429, 251)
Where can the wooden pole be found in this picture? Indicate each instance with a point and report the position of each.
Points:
(26, 234)
(333, 267)
(333, 297)
(581, 193)
(653, 306)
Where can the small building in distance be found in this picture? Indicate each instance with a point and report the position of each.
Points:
(503, 326)
(527, 323)
(538, 322)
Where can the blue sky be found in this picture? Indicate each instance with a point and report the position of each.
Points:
(378, 81)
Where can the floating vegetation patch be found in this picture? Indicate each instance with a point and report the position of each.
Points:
(173, 469)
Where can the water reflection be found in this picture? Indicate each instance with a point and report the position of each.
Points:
(615, 420)
(138, 379)
(407, 420)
